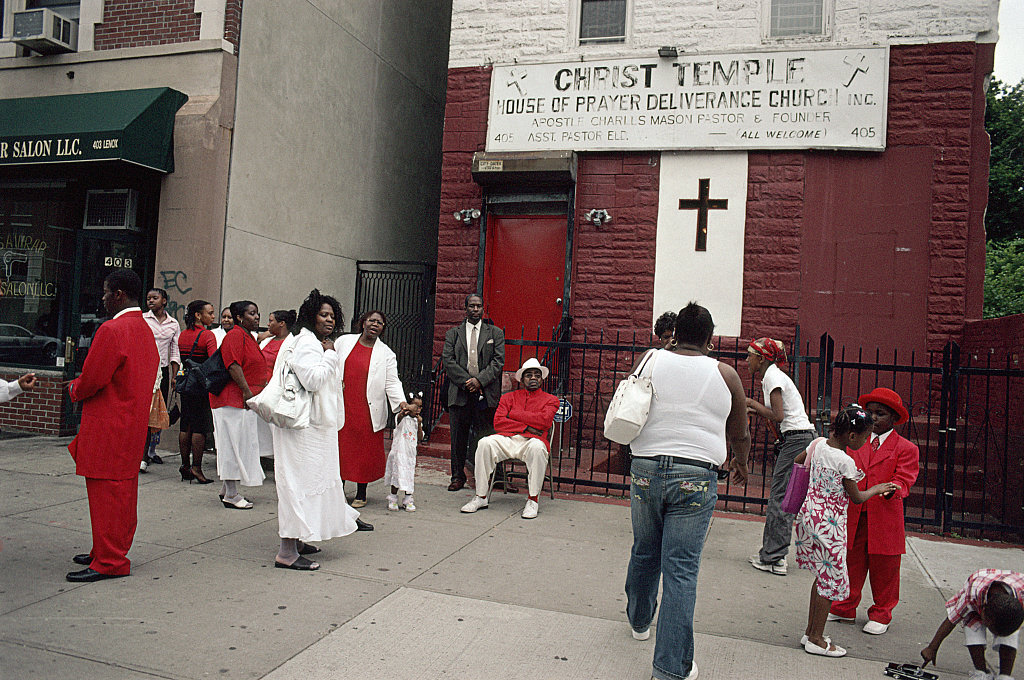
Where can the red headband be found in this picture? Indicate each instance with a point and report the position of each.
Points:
(769, 349)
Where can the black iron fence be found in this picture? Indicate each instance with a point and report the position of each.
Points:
(965, 418)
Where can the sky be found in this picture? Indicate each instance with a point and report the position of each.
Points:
(1009, 66)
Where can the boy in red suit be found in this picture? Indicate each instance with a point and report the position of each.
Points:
(876, 538)
(116, 390)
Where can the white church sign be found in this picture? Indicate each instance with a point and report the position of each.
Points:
(799, 99)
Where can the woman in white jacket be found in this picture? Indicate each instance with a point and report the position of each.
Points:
(310, 495)
(372, 390)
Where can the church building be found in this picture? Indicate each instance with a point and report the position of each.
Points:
(788, 164)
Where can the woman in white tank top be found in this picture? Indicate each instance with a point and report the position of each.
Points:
(698, 405)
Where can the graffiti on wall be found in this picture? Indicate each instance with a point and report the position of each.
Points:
(175, 282)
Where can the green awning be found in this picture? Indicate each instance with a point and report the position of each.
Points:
(135, 126)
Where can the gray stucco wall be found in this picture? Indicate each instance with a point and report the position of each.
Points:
(337, 146)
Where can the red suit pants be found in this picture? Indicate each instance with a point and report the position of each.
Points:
(113, 513)
(884, 571)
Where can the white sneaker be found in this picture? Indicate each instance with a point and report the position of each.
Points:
(1003, 676)
(692, 675)
(641, 635)
(779, 568)
(975, 674)
(840, 619)
(475, 504)
(409, 506)
(143, 466)
(392, 502)
(875, 628)
(530, 511)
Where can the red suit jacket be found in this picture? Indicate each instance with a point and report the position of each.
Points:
(520, 408)
(116, 391)
(897, 460)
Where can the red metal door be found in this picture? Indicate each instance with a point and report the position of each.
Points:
(524, 277)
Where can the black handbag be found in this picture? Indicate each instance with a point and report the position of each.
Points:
(189, 381)
(214, 375)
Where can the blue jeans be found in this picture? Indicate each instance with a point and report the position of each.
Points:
(671, 505)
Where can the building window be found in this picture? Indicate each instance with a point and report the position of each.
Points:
(602, 21)
(69, 9)
(790, 18)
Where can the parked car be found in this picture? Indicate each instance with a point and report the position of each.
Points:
(22, 346)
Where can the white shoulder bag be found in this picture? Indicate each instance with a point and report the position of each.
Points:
(630, 405)
(284, 401)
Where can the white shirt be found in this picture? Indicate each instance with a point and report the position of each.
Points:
(880, 438)
(689, 408)
(793, 415)
(9, 390)
(469, 326)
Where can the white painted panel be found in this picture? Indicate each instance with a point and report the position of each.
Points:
(713, 278)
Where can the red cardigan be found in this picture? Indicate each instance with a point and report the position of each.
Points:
(116, 391)
(521, 408)
(897, 460)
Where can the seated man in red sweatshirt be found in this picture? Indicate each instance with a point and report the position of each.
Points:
(522, 421)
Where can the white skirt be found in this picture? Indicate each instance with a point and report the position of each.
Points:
(238, 449)
(311, 502)
(266, 440)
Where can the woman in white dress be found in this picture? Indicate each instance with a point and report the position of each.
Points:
(310, 496)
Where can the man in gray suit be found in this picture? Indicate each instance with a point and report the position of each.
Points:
(473, 356)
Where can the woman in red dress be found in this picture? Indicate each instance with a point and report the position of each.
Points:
(372, 390)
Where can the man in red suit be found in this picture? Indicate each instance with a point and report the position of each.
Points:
(875, 534)
(116, 390)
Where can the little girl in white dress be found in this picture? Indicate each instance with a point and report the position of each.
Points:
(401, 465)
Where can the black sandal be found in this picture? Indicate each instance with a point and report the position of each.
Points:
(301, 564)
(308, 549)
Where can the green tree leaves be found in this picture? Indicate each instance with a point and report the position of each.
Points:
(1004, 218)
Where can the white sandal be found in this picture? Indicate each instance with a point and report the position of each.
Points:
(830, 650)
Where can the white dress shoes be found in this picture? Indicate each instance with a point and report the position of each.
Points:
(530, 511)
(875, 628)
(828, 650)
(475, 504)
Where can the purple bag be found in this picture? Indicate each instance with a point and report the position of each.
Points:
(799, 479)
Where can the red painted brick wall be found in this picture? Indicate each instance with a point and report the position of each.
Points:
(233, 22)
(135, 23)
(936, 105)
(38, 411)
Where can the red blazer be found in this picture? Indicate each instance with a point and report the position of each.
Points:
(520, 408)
(116, 391)
(897, 460)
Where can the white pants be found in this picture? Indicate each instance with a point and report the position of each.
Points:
(498, 447)
(974, 637)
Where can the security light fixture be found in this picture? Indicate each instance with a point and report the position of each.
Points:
(598, 217)
(467, 215)
(668, 52)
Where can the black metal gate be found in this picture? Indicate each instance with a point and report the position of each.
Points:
(964, 417)
(404, 291)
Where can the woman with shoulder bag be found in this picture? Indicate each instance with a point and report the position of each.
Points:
(698, 406)
(197, 344)
(310, 494)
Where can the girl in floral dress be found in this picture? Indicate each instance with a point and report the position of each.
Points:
(821, 523)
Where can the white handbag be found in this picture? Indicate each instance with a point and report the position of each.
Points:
(284, 401)
(630, 405)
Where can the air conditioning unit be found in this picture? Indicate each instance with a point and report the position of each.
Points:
(45, 31)
(113, 209)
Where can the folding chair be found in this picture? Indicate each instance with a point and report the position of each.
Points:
(507, 467)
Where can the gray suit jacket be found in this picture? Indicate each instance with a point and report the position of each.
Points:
(490, 359)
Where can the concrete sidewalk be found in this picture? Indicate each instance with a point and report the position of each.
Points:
(435, 594)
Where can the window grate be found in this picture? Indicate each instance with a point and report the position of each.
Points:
(602, 21)
(796, 17)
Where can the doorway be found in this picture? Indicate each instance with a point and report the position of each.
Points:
(524, 277)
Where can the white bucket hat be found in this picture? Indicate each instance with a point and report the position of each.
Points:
(531, 363)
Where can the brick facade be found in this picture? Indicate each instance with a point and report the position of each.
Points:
(136, 23)
(233, 22)
(38, 411)
(936, 112)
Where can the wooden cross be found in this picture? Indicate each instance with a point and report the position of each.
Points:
(702, 204)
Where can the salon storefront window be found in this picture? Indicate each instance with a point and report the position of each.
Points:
(37, 252)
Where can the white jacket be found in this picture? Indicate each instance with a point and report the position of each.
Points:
(384, 390)
(318, 372)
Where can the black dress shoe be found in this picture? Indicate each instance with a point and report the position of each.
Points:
(456, 484)
(363, 526)
(156, 459)
(84, 559)
(88, 575)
